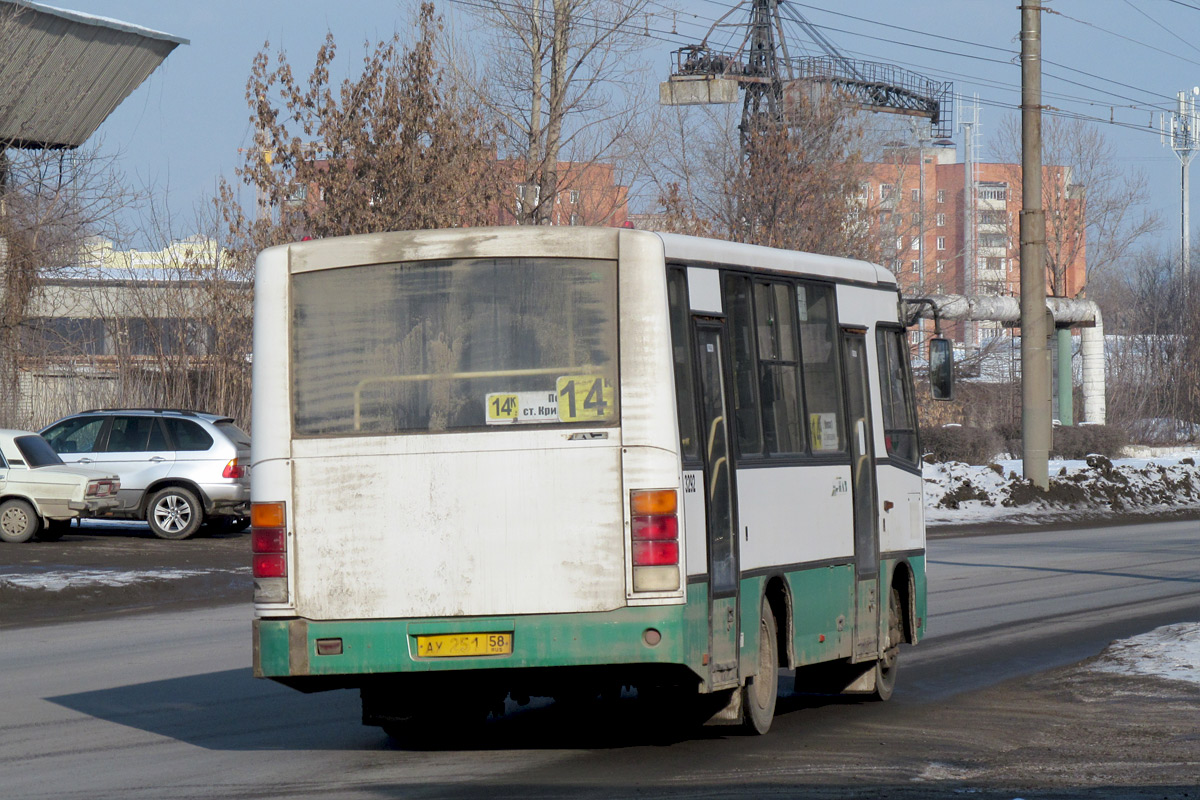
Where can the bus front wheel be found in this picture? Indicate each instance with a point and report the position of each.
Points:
(760, 695)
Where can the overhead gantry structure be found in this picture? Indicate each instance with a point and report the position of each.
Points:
(762, 68)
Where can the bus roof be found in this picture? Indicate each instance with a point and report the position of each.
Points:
(697, 250)
(517, 240)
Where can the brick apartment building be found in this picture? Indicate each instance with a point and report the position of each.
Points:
(588, 194)
(918, 201)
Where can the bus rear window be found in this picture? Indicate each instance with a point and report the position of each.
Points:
(434, 346)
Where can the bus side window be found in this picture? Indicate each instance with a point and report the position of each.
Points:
(819, 357)
(745, 371)
(681, 352)
(895, 388)
(779, 374)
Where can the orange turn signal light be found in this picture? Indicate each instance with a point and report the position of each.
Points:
(266, 515)
(655, 501)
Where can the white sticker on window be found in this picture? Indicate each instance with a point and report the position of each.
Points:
(823, 430)
(508, 408)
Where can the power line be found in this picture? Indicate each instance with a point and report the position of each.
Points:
(675, 38)
(995, 83)
(1009, 63)
(906, 30)
(629, 28)
(1164, 27)
(1185, 5)
(1012, 53)
(1123, 36)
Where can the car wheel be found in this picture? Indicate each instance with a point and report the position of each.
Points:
(18, 521)
(174, 513)
(54, 529)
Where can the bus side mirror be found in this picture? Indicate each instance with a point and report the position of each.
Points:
(941, 369)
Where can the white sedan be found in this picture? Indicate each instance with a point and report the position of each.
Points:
(40, 495)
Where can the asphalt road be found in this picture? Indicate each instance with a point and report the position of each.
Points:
(991, 706)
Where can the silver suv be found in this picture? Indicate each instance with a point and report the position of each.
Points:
(178, 469)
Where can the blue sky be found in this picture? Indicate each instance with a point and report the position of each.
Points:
(1122, 60)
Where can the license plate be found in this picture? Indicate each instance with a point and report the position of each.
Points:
(455, 645)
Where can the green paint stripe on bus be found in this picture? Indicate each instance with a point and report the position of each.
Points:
(822, 630)
(377, 646)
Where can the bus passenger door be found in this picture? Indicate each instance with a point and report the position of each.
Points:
(723, 567)
(866, 520)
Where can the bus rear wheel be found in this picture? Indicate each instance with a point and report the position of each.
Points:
(889, 659)
(760, 695)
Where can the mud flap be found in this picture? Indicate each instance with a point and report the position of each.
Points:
(730, 713)
(864, 683)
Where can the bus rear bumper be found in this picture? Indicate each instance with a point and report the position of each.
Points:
(345, 650)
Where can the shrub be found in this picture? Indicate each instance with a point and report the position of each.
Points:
(1070, 441)
(968, 445)
(1079, 441)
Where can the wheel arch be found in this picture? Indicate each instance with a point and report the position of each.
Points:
(902, 579)
(4, 498)
(778, 594)
(181, 483)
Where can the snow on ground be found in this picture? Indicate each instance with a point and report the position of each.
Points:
(1171, 652)
(58, 580)
(1153, 482)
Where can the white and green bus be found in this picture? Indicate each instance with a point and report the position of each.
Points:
(500, 462)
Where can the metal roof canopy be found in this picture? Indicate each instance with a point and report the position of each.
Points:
(62, 73)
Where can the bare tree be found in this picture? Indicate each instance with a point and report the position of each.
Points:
(557, 78)
(51, 202)
(1152, 326)
(397, 147)
(165, 327)
(796, 186)
(1096, 210)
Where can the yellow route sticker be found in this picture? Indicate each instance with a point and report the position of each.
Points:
(586, 398)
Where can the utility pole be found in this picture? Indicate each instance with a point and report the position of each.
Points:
(970, 250)
(1184, 134)
(1036, 427)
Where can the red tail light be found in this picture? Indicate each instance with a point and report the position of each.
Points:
(233, 470)
(655, 528)
(272, 565)
(655, 554)
(268, 539)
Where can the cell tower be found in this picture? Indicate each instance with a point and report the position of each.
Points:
(1183, 133)
(762, 67)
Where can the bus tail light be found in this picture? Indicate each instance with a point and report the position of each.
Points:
(655, 534)
(268, 544)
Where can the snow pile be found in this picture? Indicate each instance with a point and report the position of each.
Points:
(1171, 652)
(957, 493)
(59, 580)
